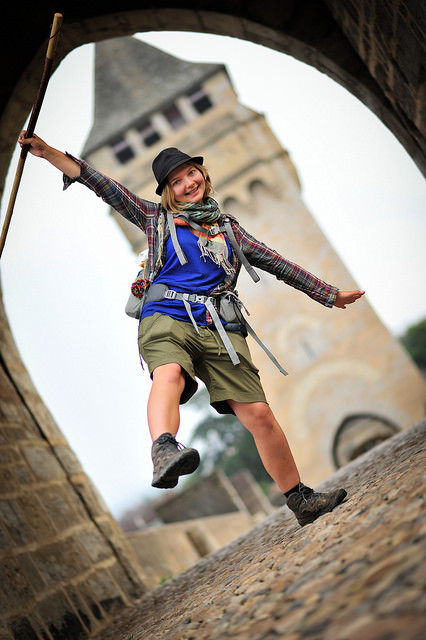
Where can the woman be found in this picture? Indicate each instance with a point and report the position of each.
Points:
(195, 255)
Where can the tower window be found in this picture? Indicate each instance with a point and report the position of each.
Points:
(200, 100)
(149, 135)
(122, 150)
(174, 117)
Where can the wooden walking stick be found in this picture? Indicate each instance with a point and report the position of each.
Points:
(47, 69)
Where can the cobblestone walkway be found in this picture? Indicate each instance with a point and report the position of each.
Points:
(355, 574)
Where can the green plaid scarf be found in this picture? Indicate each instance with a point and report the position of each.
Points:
(212, 243)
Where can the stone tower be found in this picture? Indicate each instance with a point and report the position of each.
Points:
(351, 384)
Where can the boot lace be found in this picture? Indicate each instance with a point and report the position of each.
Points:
(305, 491)
(167, 438)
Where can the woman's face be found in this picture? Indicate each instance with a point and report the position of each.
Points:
(187, 184)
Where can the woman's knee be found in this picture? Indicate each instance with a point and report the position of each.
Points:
(256, 417)
(263, 417)
(170, 373)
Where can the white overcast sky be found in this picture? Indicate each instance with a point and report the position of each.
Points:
(66, 267)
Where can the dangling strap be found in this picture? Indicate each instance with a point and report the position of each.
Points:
(264, 347)
(232, 239)
(189, 312)
(221, 331)
(180, 254)
(238, 305)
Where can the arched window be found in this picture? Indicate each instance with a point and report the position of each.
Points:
(229, 204)
(360, 433)
(257, 186)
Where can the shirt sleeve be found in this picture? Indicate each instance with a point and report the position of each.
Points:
(267, 259)
(130, 206)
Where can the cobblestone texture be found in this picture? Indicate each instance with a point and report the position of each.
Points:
(355, 573)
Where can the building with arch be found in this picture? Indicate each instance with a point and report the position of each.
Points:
(341, 365)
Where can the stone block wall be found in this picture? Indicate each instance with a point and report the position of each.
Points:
(212, 495)
(166, 551)
(65, 566)
(200, 519)
(388, 36)
(251, 493)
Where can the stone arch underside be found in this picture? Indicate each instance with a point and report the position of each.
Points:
(375, 52)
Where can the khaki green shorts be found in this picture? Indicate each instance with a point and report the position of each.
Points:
(163, 340)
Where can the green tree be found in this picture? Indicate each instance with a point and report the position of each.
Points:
(414, 340)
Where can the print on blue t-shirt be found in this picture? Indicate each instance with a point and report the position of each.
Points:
(199, 275)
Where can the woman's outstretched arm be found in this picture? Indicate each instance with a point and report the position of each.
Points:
(38, 147)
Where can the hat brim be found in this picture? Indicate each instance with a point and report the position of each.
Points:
(196, 159)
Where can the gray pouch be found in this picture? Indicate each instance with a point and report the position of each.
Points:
(229, 307)
(134, 306)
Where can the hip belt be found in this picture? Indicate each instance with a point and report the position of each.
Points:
(158, 292)
(162, 292)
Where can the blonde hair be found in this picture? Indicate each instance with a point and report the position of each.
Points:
(168, 199)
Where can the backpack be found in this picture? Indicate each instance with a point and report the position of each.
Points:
(227, 306)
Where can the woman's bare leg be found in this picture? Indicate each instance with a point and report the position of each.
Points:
(168, 383)
(270, 441)
(170, 460)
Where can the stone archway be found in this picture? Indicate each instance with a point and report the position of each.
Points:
(376, 52)
(357, 434)
(378, 57)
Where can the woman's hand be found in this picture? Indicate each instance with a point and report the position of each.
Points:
(41, 149)
(347, 297)
(35, 145)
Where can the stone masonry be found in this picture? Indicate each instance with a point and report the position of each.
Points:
(374, 49)
(357, 572)
(65, 566)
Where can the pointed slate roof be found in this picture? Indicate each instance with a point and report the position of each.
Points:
(134, 79)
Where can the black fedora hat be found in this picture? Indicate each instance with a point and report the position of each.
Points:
(167, 160)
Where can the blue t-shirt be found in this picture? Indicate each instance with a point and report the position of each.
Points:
(199, 275)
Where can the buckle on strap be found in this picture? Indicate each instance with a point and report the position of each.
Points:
(213, 231)
(191, 297)
(170, 294)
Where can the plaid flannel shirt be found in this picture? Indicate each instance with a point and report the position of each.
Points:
(145, 215)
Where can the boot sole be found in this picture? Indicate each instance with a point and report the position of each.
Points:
(339, 499)
(186, 463)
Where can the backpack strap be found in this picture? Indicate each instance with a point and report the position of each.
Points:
(173, 234)
(263, 346)
(232, 239)
(227, 228)
(159, 292)
(238, 306)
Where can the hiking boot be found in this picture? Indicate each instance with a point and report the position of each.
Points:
(171, 460)
(308, 505)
